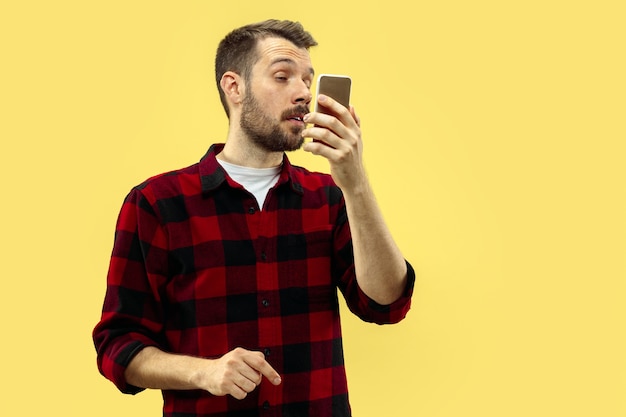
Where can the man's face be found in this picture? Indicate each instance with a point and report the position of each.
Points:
(277, 96)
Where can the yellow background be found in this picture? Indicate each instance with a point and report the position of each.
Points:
(495, 139)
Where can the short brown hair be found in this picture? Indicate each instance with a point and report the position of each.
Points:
(237, 51)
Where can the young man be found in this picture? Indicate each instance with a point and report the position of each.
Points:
(222, 287)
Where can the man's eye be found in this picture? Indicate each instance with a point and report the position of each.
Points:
(281, 78)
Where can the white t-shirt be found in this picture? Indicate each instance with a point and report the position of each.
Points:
(257, 181)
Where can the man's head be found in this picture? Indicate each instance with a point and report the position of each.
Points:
(237, 52)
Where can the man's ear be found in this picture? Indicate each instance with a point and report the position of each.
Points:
(234, 88)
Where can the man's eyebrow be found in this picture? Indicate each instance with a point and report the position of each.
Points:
(289, 61)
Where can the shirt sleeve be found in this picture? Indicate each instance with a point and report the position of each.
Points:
(132, 314)
(369, 310)
(357, 301)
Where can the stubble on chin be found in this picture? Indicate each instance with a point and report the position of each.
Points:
(297, 141)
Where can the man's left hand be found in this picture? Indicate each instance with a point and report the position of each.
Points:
(337, 137)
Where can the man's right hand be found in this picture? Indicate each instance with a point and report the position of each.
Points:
(237, 373)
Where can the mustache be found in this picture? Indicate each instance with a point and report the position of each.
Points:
(300, 110)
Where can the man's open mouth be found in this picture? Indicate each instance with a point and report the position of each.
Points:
(296, 114)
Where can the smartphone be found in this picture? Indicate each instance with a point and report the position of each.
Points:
(335, 86)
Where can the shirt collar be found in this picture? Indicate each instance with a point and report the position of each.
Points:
(212, 175)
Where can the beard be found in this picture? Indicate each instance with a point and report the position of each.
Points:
(267, 133)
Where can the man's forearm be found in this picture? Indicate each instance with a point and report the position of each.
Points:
(153, 368)
(380, 267)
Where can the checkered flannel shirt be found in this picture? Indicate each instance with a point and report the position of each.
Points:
(198, 269)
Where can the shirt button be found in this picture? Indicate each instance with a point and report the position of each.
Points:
(267, 351)
(263, 256)
(265, 303)
(266, 405)
(251, 210)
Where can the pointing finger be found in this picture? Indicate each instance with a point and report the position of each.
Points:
(259, 363)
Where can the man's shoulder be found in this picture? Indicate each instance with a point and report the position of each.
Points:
(171, 183)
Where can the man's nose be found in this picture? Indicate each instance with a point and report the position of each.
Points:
(304, 96)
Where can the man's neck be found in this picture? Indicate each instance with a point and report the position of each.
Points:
(239, 151)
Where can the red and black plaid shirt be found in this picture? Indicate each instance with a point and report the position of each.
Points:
(198, 269)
